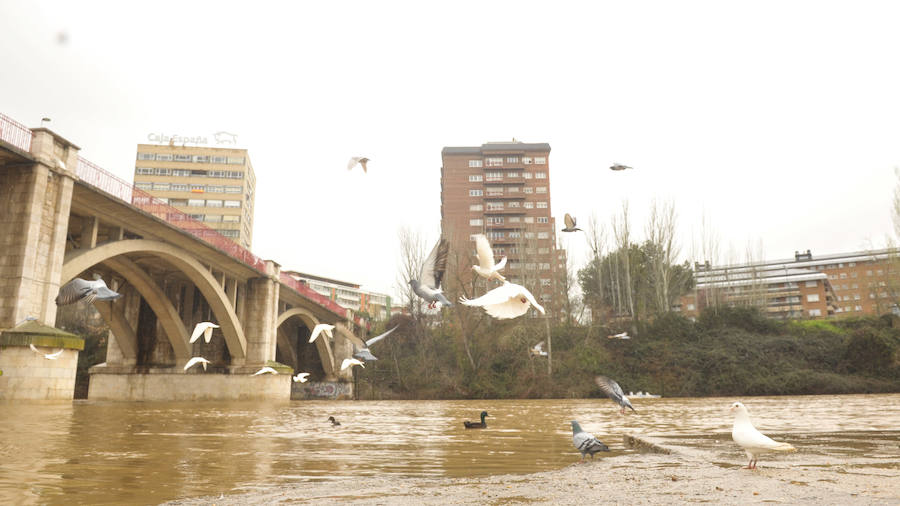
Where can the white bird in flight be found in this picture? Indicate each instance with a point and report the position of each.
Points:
(538, 350)
(49, 356)
(754, 442)
(301, 377)
(508, 300)
(361, 349)
(349, 362)
(265, 370)
(204, 328)
(623, 335)
(569, 220)
(361, 160)
(428, 286)
(196, 360)
(486, 267)
(318, 329)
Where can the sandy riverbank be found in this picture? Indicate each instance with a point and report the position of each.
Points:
(636, 478)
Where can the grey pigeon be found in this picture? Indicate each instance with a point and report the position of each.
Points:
(570, 224)
(428, 286)
(79, 290)
(585, 442)
(614, 391)
(619, 166)
(361, 350)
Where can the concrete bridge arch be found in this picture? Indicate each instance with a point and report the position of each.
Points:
(326, 354)
(79, 260)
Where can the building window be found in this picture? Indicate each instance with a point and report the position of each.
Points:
(475, 193)
(515, 235)
(232, 203)
(213, 203)
(201, 158)
(215, 218)
(493, 176)
(161, 186)
(529, 219)
(543, 219)
(514, 219)
(815, 312)
(843, 275)
(495, 190)
(231, 218)
(513, 189)
(529, 235)
(495, 220)
(235, 160)
(811, 284)
(493, 162)
(232, 174)
(182, 158)
(198, 188)
(526, 175)
(215, 189)
(513, 174)
(542, 205)
(545, 281)
(812, 297)
(545, 266)
(540, 160)
(540, 175)
(543, 251)
(475, 164)
(495, 235)
(233, 189)
(216, 173)
(229, 233)
(512, 159)
(541, 189)
(526, 160)
(196, 217)
(144, 171)
(529, 205)
(164, 158)
(529, 189)
(146, 156)
(143, 186)
(475, 207)
(476, 222)
(495, 206)
(196, 203)
(475, 178)
(179, 187)
(514, 204)
(543, 235)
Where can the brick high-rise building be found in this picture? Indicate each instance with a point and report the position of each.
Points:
(502, 190)
(212, 185)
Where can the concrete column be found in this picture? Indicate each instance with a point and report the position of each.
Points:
(261, 313)
(89, 233)
(35, 198)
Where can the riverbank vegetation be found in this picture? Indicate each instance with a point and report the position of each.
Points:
(727, 352)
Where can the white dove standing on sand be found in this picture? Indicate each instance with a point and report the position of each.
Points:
(754, 442)
(205, 329)
(318, 329)
(508, 300)
(361, 160)
(486, 267)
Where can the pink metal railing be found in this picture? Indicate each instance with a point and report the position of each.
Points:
(15, 133)
(99, 178)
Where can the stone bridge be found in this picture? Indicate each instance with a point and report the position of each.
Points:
(61, 217)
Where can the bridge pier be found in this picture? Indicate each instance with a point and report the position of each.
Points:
(261, 315)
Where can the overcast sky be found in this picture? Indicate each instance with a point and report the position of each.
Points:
(778, 121)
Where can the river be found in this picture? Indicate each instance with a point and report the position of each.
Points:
(127, 453)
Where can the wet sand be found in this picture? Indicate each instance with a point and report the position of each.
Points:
(683, 476)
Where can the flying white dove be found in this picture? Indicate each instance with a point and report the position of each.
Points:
(361, 160)
(614, 391)
(205, 328)
(349, 362)
(49, 356)
(428, 286)
(486, 267)
(265, 370)
(301, 377)
(79, 290)
(196, 360)
(318, 329)
(754, 442)
(623, 335)
(508, 300)
(538, 350)
(361, 349)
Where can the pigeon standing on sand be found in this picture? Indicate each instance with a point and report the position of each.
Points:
(428, 286)
(614, 391)
(79, 290)
(486, 267)
(754, 442)
(508, 300)
(570, 224)
(361, 160)
(585, 442)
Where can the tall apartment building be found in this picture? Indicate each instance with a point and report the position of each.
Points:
(806, 286)
(502, 190)
(212, 185)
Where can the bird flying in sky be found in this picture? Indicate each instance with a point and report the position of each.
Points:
(508, 300)
(428, 286)
(486, 267)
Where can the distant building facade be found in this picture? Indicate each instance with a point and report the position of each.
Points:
(213, 185)
(349, 295)
(807, 286)
(502, 190)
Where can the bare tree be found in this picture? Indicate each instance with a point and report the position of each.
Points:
(660, 232)
(622, 233)
(412, 257)
(596, 239)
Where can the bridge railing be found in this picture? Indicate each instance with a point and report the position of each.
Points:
(304, 289)
(15, 133)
